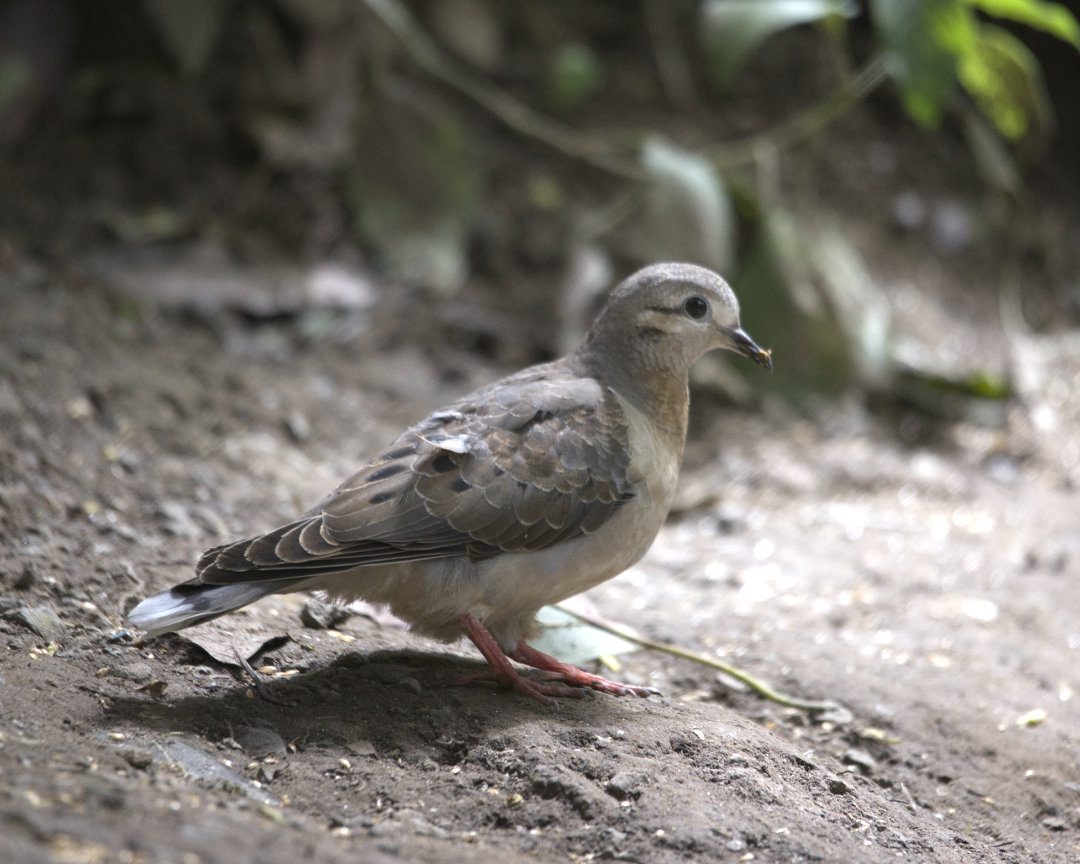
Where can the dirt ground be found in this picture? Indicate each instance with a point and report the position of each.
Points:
(923, 578)
(920, 572)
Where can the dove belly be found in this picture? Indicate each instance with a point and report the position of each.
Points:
(505, 591)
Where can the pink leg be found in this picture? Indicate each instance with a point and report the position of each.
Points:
(503, 671)
(573, 676)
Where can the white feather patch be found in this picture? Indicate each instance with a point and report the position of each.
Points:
(454, 443)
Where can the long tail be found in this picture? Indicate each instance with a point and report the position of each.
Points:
(192, 603)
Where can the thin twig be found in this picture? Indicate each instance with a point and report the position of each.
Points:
(763, 689)
(806, 124)
(261, 686)
(592, 148)
(519, 117)
(674, 72)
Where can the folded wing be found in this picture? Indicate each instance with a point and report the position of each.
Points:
(531, 461)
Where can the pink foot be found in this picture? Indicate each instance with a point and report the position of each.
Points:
(503, 671)
(575, 677)
(571, 681)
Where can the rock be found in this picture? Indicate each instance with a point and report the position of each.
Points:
(43, 621)
(335, 286)
(298, 427)
(411, 684)
(625, 786)
(177, 519)
(261, 741)
(361, 747)
(137, 671)
(203, 766)
(860, 759)
(555, 781)
(419, 824)
(27, 578)
(322, 616)
(685, 743)
(138, 757)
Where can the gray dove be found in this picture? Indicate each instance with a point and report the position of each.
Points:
(521, 494)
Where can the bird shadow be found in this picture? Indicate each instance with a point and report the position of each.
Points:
(391, 700)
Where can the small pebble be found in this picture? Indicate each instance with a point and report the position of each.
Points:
(260, 741)
(624, 786)
(361, 747)
(138, 757)
(177, 519)
(860, 759)
(139, 671)
(298, 427)
(27, 578)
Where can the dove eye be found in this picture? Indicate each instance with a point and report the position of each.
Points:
(696, 307)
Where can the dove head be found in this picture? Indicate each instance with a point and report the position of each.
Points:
(664, 317)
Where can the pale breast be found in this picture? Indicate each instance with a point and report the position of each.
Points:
(515, 584)
(508, 589)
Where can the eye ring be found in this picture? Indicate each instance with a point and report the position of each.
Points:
(696, 307)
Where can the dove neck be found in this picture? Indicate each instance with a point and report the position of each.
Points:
(656, 389)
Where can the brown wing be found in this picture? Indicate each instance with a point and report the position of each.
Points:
(538, 458)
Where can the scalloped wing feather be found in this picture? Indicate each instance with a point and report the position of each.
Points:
(533, 460)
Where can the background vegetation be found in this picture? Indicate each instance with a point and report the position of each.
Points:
(552, 146)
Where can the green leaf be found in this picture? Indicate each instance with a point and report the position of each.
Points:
(920, 37)
(1052, 18)
(573, 641)
(995, 161)
(1004, 78)
(732, 29)
(934, 43)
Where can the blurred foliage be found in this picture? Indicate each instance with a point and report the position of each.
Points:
(14, 78)
(733, 29)
(688, 214)
(189, 28)
(574, 76)
(936, 44)
(393, 104)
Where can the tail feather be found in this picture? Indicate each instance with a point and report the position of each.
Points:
(192, 603)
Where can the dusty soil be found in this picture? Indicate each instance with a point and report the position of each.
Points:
(924, 578)
(920, 572)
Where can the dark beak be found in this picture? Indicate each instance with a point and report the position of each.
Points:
(749, 348)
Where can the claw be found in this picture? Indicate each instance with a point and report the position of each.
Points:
(556, 679)
(575, 677)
